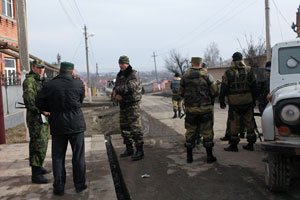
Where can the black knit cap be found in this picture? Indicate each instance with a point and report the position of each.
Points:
(237, 56)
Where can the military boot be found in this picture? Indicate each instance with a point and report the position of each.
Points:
(128, 151)
(210, 157)
(45, 171)
(175, 114)
(37, 176)
(226, 138)
(139, 154)
(189, 155)
(248, 147)
(232, 147)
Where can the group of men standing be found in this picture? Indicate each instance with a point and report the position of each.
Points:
(198, 90)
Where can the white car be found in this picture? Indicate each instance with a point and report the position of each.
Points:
(281, 117)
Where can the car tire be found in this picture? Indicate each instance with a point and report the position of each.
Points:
(278, 172)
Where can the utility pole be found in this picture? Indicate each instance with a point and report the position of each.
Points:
(87, 64)
(2, 128)
(23, 44)
(155, 66)
(268, 37)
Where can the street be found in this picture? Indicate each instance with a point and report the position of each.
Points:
(234, 176)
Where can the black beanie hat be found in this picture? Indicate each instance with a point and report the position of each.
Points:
(237, 56)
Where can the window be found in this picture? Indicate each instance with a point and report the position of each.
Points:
(289, 60)
(7, 8)
(10, 76)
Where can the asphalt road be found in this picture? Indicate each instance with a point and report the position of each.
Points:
(234, 176)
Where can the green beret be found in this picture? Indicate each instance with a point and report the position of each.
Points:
(196, 60)
(123, 60)
(41, 65)
(66, 66)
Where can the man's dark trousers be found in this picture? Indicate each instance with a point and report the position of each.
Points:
(59, 148)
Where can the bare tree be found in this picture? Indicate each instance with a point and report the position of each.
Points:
(254, 52)
(175, 62)
(212, 55)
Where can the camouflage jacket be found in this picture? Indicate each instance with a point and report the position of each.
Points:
(129, 86)
(199, 90)
(31, 85)
(238, 84)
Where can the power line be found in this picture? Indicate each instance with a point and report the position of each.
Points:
(218, 23)
(79, 45)
(75, 12)
(67, 14)
(280, 13)
(79, 11)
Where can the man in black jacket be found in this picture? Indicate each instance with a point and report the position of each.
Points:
(62, 97)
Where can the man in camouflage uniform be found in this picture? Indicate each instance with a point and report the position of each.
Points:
(264, 89)
(36, 123)
(242, 130)
(128, 91)
(176, 98)
(198, 89)
(239, 85)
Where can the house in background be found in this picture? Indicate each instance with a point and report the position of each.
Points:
(10, 65)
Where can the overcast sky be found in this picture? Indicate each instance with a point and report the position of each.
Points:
(137, 28)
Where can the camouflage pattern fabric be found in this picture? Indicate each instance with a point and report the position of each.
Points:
(236, 115)
(199, 124)
(177, 103)
(242, 129)
(238, 84)
(130, 124)
(199, 90)
(264, 90)
(38, 130)
(129, 86)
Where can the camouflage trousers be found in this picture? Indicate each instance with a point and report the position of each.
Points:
(38, 144)
(177, 103)
(242, 129)
(237, 114)
(131, 124)
(199, 125)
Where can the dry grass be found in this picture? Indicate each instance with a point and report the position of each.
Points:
(16, 134)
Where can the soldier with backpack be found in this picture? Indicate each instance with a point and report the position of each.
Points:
(176, 98)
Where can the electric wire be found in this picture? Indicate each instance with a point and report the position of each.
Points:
(75, 12)
(281, 13)
(76, 50)
(67, 14)
(76, 5)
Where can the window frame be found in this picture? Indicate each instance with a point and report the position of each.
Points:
(5, 10)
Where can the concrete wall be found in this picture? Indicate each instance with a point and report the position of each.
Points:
(12, 116)
(217, 73)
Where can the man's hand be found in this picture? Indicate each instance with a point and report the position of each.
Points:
(222, 105)
(118, 97)
(46, 113)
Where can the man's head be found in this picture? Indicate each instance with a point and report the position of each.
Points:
(196, 61)
(38, 68)
(123, 62)
(237, 56)
(176, 74)
(204, 65)
(66, 67)
(268, 66)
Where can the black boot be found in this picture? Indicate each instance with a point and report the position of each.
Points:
(37, 176)
(189, 155)
(128, 151)
(45, 171)
(226, 138)
(232, 147)
(175, 114)
(248, 147)
(210, 157)
(139, 154)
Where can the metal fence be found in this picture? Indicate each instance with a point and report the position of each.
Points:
(10, 78)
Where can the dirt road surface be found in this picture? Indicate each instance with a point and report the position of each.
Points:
(234, 176)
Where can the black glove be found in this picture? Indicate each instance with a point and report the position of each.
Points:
(222, 105)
